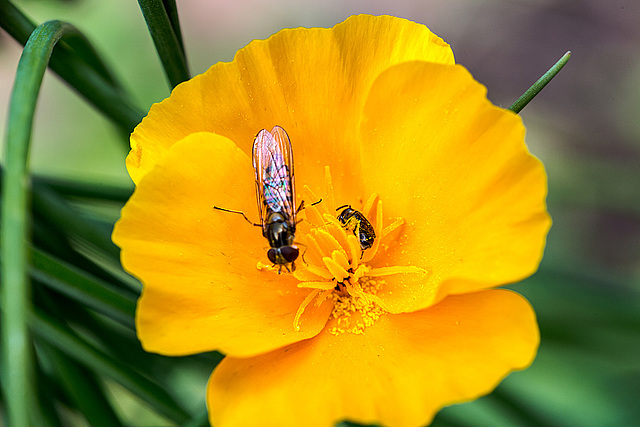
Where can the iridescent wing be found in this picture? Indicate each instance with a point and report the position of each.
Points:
(273, 164)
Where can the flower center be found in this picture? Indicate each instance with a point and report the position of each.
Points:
(335, 265)
(354, 313)
(339, 246)
(333, 269)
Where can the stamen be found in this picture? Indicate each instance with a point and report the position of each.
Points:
(313, 255)
(389, 228)
(354, 250)
(312, 273)
(303, 305)
(341, 259)
(368, 256)
(366, 210)
(327, 242)
(333, 226)
(355, 289)
(336, 269)
(324, 285)
(328, 187)
(312, 213)
(323, 296)
(398, 269)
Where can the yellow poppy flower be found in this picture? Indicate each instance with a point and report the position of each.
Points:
(389, 314)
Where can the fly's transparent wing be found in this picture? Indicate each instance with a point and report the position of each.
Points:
(273, 165)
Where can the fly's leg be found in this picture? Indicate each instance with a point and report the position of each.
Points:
(301, 207)
(238, 212)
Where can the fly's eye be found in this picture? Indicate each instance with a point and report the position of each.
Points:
(272, 255)
(289, 253)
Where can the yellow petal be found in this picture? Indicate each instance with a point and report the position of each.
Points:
(399, 372)
(457, 170)
(312, 82)
(202, 290)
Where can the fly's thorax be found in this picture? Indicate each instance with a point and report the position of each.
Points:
(278, 230)
(346, 213)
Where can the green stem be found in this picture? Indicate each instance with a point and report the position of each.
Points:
(17, 365)
(522, 102)
(166, 39)
(78, 64)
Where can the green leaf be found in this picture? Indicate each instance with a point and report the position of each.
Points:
(200, 420)
(64, 339)
(531, 93)
(83, 288)
(172, 12)
(167, 39)
(18, 383)
(78, 64)
(45, 413)
(82, 388)
(59, 212)
(80, 189)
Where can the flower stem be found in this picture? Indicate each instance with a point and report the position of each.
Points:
(522, 102)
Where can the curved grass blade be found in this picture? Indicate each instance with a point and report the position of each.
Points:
(49, 330)
(199, 420)
(78, 64)
(58, 211)
(166, 39)
(45, 413)
(535, 89)
(49, 239)
(17, 364)
(82, 388)
(81, 189)
(82, 287)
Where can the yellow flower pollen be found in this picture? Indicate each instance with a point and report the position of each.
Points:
(355, 313)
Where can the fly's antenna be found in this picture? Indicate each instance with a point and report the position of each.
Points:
(238, 212)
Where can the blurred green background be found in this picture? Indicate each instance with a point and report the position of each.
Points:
(585, 126)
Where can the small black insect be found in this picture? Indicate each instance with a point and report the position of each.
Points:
(351, 219)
